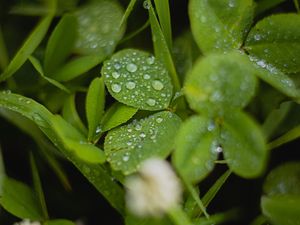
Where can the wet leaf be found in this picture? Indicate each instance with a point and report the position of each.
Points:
(276, 41)
(212, 85)
(243, 145)
(98, 27)
(137, 79)
(196, 148)
(127, 146)
(220, 25)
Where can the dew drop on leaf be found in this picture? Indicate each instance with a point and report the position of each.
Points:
(116, 88)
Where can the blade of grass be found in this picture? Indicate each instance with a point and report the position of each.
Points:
(179, 217)
(37, 65)
(3, 52)
(38, 185)
(163, 12)
(161, 49)
(287, 137)
(218, 218)
(136, 32)
(31, 43)
(127, 12)
(296, 3)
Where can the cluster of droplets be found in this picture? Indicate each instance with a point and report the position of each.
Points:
(131, 140)
(137, 79)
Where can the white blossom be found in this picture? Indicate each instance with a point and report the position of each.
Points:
(27, 222)
(154, 190)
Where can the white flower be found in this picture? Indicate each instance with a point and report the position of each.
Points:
(27, 222)
(155, 190)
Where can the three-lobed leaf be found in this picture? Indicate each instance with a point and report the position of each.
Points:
(220, 25)
(127, 146)
(137, 79)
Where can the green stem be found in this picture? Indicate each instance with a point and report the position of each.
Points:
(179, 217)
(297, 6)
(289, 136)
(136, 32)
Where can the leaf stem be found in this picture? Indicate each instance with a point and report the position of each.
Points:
(178, 216)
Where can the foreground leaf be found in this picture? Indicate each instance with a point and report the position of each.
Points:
(127, 146)
(212, 85)
(19, 199)
(137, 79)
(276, 40)
(196, 148)
(220, 25)
(243, 145)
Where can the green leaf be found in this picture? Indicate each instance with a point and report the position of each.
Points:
(18, 199)
(275, 77)
(98, 27)
(283, 180)
(70, 114)
(31, 43)
(212, 85)
(116, 115)
(220, 25)
(282, 210)
(38, 186)
(98, 175)
(161, 50)
(60, 43)
(196, 148)
(77, 67)
(163, 12)
(37, 65)
(276, 40)
(59, 222)
(127, 146)
(243, 145)
(95, 103)
(137, 79)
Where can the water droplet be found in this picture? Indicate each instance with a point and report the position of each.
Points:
(28, 102)
(98, 130)
(147, 76)
(115, 75)
(157, 85)
(150, 60)
(257, 37)
(261, 63)
(116, 88)
(231, 3)
(117, 66)
(151, 102)
(142, 135)
(138, 127)
(211, 126)
(146, 4)
(125, 158)
(129, 143)
(159, 120)
(219, 149)
(131, 67)
(130, 85)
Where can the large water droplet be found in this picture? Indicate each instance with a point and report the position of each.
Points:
(146, 4)
(157, 85)
(116, 88)
(151, 102)
(115, 75)
(131, 67)
(130, 85)
(150, 60)
(117, 66)
(159, 120)
(125, 158)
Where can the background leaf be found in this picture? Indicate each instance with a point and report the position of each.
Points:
(137, 79)
(276, 40)
(19, 199)
(59, 222)
(226, 22)
(127, 146)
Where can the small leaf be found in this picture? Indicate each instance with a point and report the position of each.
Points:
(127, 146)
(70, 114)
(60, 43)
(137, 79)
(243, 145)
(220, 25)
(116, 115)
(276, 40)
(77, 67)
(282, 209)
(59, 222)
(212, 85)
(31, 43)
(283, 180)
(98, 27)
(95, 103)
(19, 199)
(196, 148)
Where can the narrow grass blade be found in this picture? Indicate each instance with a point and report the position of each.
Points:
(136, 32)
(127, 12)
(38, 185)
(296, 3)
(179, 217)
(287, 137)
